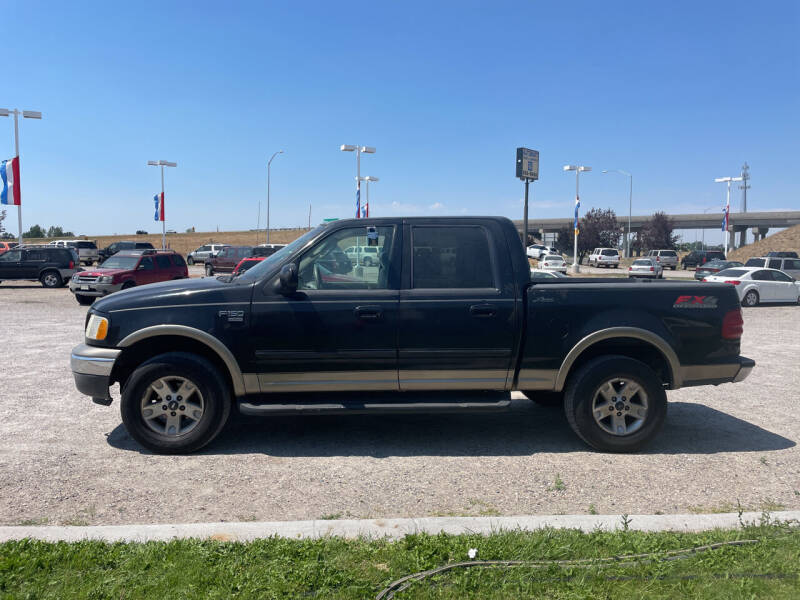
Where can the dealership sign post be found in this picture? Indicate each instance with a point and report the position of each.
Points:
(527, 170)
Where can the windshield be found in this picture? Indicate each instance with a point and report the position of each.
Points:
(268, 263)
(120, 262)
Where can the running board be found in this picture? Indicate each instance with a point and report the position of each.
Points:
(389, 403)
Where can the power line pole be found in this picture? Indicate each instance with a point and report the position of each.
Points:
(744, 187)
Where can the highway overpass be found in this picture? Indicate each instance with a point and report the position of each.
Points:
(758, 222)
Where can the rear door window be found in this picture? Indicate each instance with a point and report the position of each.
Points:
(791, 264)
(467, 264)
(780, 276)
(163, 262)
(762, 276)
(754, 262)
(775, 263)
(177, 260)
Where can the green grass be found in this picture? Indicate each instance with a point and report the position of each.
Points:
(337, 568)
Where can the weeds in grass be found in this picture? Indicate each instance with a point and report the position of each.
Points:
(592, 509)
(626, 522)
(558, 485)
(763, 460)
(37, 522)
(331, 517)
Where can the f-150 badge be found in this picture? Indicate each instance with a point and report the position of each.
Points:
(233, 316)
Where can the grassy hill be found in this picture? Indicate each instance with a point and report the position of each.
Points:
(186, 242)
(788, 239)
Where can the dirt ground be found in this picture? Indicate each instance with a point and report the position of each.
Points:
(64, 460)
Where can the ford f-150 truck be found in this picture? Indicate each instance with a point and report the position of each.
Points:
(447, 319)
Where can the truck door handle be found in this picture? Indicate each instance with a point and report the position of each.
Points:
(482, 310)
(368, 312)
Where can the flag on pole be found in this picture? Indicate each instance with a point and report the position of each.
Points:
(577, 206)
(159, 202)
(358, 200)
(9, 173)
(725, 216)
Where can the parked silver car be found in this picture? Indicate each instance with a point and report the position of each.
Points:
(204, 252)
(646, 267)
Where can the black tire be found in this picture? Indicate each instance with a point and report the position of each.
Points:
(51, 279)
(584, 385)
(209, 270)
(751, 298)
(189, 261)
(547, 399)
(367, 262)
(83, 299)
(128, 285)
(207, 381)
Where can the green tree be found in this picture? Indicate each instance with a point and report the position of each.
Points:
(598, 229)
(657, 233)
(35, 232)
(55, 231)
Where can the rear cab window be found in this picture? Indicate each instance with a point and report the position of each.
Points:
(451, 257)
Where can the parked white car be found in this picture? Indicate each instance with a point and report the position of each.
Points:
(604, 257)
(536, 251)
(203, 253)
(756, 285)
(646, 267)
(367, 256)
(553, 262)
(543, 274)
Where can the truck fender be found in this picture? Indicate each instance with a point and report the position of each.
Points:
(200, 336)
(620, 332)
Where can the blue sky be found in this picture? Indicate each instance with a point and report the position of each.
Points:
(678, 93)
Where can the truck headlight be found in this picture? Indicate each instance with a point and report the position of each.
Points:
(105, 279)
(97, 328)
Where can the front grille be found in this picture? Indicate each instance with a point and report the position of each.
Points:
(86, 279)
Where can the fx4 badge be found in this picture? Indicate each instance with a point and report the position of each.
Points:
(233, 316)
(696, 302)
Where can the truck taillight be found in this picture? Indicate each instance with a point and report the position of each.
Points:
(71, 264)
(732, 324)
(734, 282)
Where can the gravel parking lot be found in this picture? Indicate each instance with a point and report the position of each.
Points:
(64, 460)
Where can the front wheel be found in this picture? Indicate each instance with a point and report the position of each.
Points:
(209, 270)
(615, 403)
(51, 279)
(750, 298)
(175, 403)
(83, 299)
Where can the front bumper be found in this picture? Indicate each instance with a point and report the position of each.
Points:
(91, 368)
(716, 373)
(94, 289)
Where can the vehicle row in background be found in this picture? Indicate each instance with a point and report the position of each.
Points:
(7, 246)
(112, 249)
(756, 285)
(553, 262)
(50, 265)
(666, 258)
(86, 249)
(537, 251)
(697, 258)
(204, 252)
(127, 269)
(787, 265)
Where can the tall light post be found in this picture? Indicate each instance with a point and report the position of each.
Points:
(576, 268)
(162, 164)
(726, 218)
(358, 150)
(368, 178)
(26, 114)
(269, 167)
(630, 207)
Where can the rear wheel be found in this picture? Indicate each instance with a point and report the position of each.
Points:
(175, 403)
(84, 300)
(750, 298)
(615, 403)
(209, 270)
(51, 279)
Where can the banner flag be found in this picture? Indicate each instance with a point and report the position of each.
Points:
(158, 199)
(9, 173)
(577, 206)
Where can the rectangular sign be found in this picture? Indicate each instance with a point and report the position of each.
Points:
(527, 164)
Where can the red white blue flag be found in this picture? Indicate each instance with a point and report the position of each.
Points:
(159, 201)
(358, 200)
(577, 206)
(9, 174)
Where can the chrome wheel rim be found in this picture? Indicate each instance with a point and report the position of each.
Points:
(172, 406)
(620, 407)
(50, 280)
(750, 299)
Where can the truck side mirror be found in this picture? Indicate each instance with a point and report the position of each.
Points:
(288, 278)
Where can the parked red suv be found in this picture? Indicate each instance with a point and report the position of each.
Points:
(126, 269)
(4, 246)
(226, 259)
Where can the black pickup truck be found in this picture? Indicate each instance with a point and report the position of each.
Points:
(447, 319)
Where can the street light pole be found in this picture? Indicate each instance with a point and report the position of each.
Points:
(727, 180)
(162, 164)
(358, 150)
(269, 166)
(630, 207)
(26, 114)
(576, 268)
(368, 178)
